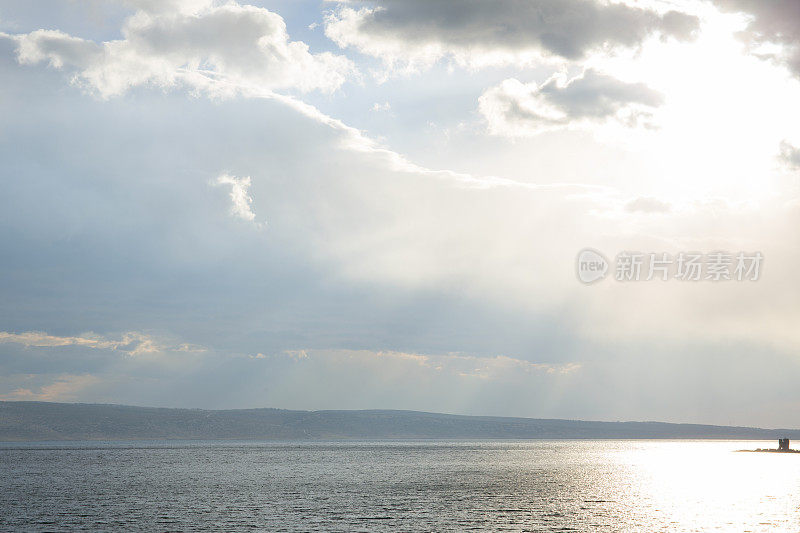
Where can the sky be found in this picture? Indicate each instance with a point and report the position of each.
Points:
(379, 205)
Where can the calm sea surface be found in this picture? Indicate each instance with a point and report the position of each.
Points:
(399, 486)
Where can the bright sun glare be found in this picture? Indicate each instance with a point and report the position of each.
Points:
(709, 139)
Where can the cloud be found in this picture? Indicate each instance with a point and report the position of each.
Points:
(502, 367)
(773, 22)
(516, 109)
(132, 343)
(57, 48)
(645, 204)
(108, 68)
(306, 378)
(610, 381)
(65, 388)
(240, 196)
(495, 367)
(164, 45)
(790, 155)
(169, 6)
(476, 32)
(353, 139)
(369, 251)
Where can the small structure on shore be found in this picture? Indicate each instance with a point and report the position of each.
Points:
(783, 447)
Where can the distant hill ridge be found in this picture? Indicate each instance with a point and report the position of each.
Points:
(44, 421)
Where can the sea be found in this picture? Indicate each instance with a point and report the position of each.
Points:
(565, 485)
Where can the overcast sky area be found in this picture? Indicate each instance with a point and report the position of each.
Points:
(355, 205)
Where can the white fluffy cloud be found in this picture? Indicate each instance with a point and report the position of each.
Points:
(516, 109)
(190, 42)
(240, 196)
(476, 32)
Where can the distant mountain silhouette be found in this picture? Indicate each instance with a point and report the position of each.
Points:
(42, 421)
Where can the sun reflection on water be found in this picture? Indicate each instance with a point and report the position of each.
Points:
(701, 486)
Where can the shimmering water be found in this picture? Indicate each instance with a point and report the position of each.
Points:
(399, 486)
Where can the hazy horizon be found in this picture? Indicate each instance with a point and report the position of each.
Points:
(31, 422)
(386, 410)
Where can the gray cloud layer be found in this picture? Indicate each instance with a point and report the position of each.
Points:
(514, 108)
(773, 21)
(565, 28)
